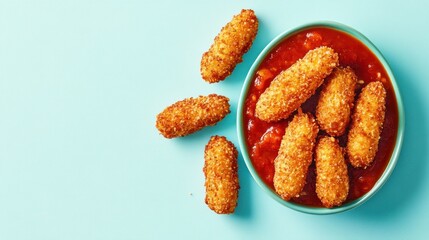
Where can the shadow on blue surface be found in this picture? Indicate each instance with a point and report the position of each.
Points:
(408, 178)
(236, 79)
(201, 137)
(245, 203)
(227, 127)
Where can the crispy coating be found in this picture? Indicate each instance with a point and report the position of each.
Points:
(336, 101)
(295, 85)
(229, 46)
(192, 114)
(221, 173)
(367, 124)
(332, 179)
(295, 156)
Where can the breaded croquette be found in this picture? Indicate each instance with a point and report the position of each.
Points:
(295, 85)
(367, 124)
(192, 114)
(221, 174)
(229, 46)
(295, 155)
(332, 179)
(336, 101)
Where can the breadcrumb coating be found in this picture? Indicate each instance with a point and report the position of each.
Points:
(295, 156)
(332, 179)
(221, 174)
(295, 85)
(367, 124)
(192, 114)
(336, 101)
(229, 46)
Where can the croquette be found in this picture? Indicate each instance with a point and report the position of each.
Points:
(336, 101)
(367, 124)
(332, 179)
(293, 86)
(221, 175)
(192, 114)
(295, 155)
(229, 46)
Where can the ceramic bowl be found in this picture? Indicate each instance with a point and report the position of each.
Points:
(241, 108)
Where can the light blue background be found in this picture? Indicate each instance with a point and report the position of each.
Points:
(82, 81)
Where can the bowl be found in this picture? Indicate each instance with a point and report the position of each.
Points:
(397, 130)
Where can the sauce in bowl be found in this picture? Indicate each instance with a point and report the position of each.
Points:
(263, 138)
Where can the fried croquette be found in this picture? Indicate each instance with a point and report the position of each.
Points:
(192, 114)
(336, 101)
(332, 179)
(221, 174)
(295, 85)
(367, 124)
(295, 155)
(229, 46)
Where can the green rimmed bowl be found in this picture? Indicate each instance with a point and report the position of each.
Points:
(240, 121)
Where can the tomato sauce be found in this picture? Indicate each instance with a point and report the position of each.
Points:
(263, 139)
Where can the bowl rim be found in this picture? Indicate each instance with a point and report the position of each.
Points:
(400, 131)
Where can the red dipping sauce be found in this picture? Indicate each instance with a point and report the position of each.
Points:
(263, 139)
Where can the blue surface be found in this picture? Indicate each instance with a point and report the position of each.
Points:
(82, 81)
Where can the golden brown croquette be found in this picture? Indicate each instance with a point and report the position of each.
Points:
(336, 101)
(332, 179)
(367, 124)
(295, 85)
(229, 46)
(192, 114)
(221, 174)
(295, 156)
